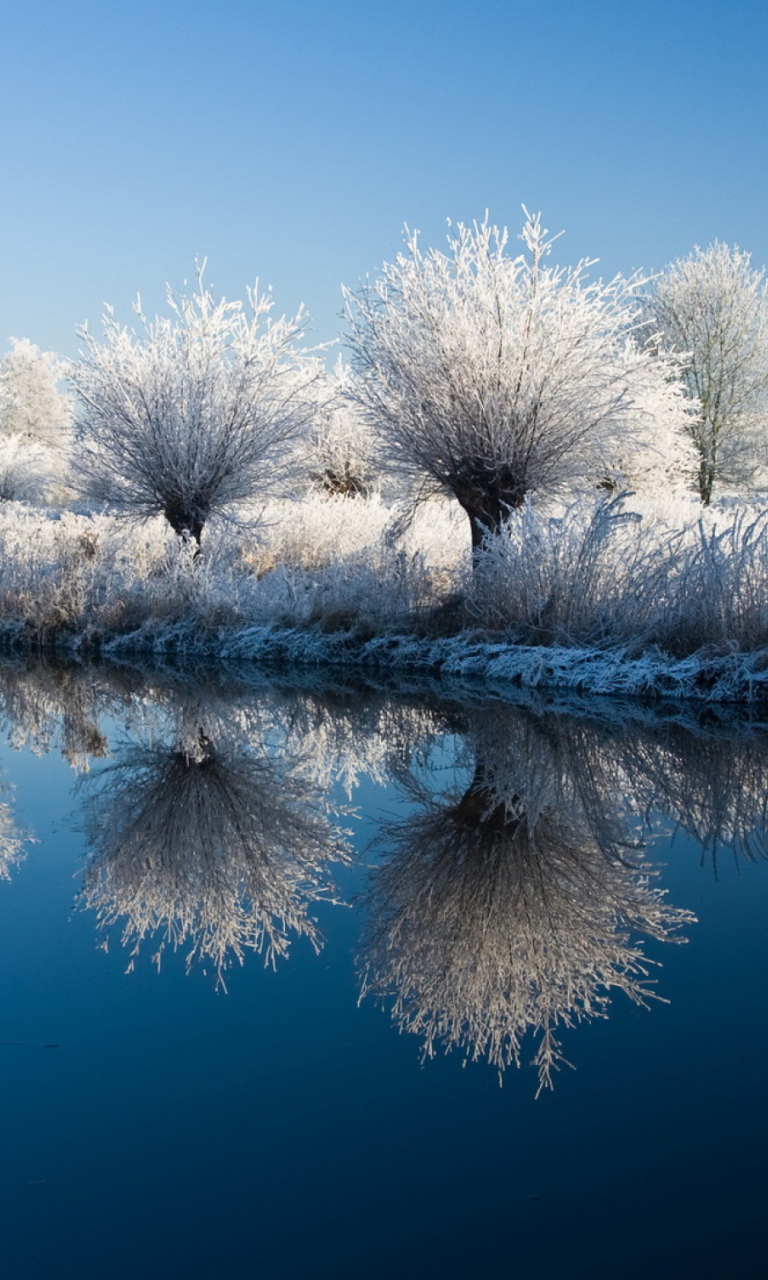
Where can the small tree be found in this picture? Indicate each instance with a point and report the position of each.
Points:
(492, 377)
(340, 449)
(196, 413)
(31, 405)
(713, 307)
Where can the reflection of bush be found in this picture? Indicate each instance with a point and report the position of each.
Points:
(210, 849)
(11, 843)
(713, 787)
(46, 704)
(494, 916)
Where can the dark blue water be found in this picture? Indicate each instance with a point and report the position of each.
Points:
(155, 1124)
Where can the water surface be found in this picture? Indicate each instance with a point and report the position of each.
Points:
(293, 982)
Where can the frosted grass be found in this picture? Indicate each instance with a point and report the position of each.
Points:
(626, 596)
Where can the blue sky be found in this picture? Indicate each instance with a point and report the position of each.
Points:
(292, 142)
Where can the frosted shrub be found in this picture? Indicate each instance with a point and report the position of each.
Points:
(29, 471)
(339, 453)
(196, 413)
(314, 531)
(371, 591)
(592, 573)
(720, 595)
(600, 574)
(31, 404)
(92, 576)
(492, 377)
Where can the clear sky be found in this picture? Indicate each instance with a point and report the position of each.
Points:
(292, 141)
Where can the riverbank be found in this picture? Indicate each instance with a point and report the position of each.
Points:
(597, 599)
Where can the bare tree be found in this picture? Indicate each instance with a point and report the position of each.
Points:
(195, 414)
(492, 377)
(713, 308)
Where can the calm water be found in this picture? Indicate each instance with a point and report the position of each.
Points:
(268, 958)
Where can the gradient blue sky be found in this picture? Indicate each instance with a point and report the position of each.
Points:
(292, 141)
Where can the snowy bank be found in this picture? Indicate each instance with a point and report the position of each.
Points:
(595, 598)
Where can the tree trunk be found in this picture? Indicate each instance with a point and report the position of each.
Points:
(706, 480)
(184, 523)
(487, 514)
(479, 809)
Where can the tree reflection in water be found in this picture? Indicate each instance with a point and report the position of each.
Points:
(11, 841)
(710, 784)
(518, 904)
(208, 845)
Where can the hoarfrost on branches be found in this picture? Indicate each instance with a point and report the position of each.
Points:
(197, 412)
(492, 377)
(28, 470)
(31, 405)
(712, 307)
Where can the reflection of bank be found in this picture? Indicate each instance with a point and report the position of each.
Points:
(516, 905)
(213, 847)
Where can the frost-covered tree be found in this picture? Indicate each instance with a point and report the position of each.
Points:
(35, 422)
(195, 413)
(31, 404)
(493, 377)
(712, 307)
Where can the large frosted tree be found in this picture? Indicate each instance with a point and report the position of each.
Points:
(196, 412)
(492, 377)
(712, 307)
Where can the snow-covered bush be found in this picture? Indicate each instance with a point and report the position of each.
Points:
(29, 471)
(719, 595)
(92, 579)
(339, 453)
(627, 572)
(592, 573)
(197, 413)
(491, 377)
(313, 531)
